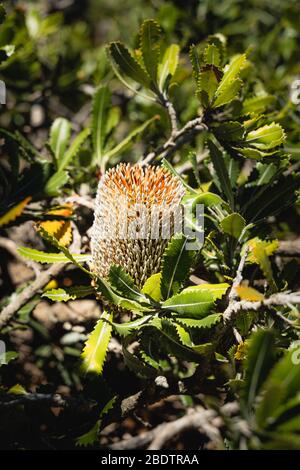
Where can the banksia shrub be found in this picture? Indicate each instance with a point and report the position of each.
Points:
(134, 219)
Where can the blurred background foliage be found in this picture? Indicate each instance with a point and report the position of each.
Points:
(60, 54)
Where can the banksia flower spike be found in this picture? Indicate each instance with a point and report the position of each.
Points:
(135, 215)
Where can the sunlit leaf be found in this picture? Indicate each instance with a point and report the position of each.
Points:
(195, 303)
(152, 287)
(168, 66)
(68, 293)
(14, 212)
(59, 137)
(94, 351)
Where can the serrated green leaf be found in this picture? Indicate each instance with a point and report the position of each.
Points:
(43, 257)
(59, 137)
(195, 60)
(233, 224)
(94, 351)
(68, 293)
(207, 83)
(253, 153)
(221, 171)
(55, 183)
(136, 365)
(124, 329)
(231, 72)
(127, 64)
(212, 55)
(206, 322)
(195, 303)
(106, 289)
(92, 435)
(228, 93)
(124, 284)
(176, 264)
(266, 137)
(231, 131)
(217, 290)
(258, 104)
(186, 340)
(101, 103)
(73, 149)
(150, 37)
(149, 360)
(168, 66)
(89, 437)
(53, 241)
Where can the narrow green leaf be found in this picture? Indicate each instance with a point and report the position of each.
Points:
(92, 435)
(53, 241)
(118, 149)
(124, 284)
(68, 293)
(169, 167)
(150, 37)
(106, 289)
(56, 182)
(186, 340)
(50, 258)
(127, 64)
(221, 171)
(59, 138)
(176, 264)
(168, 66)
(206, 322)
(73, 149)
(94, 351)
(124, 329)
(260, 359)
(217, 290)
(136, 365)
(195, 60)
(101, 102)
